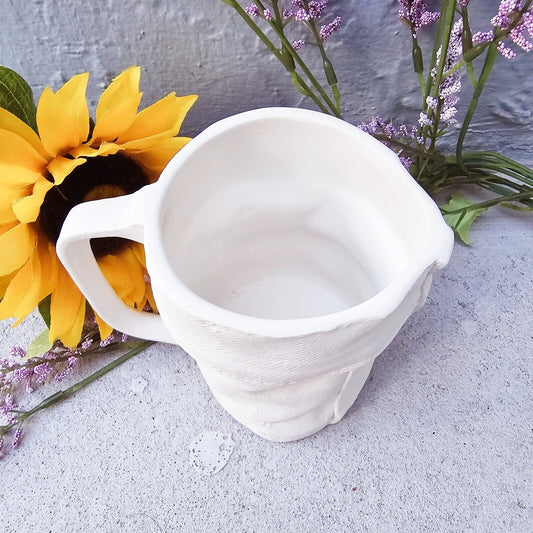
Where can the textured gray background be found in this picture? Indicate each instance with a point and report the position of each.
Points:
(441, 436)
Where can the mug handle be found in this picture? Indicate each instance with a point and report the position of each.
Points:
(111, 217)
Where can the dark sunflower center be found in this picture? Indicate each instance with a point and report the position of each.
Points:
(99, 177)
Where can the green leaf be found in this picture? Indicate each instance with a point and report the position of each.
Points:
(17, 97)
(39, 345)
(44, 309)
(460, 213)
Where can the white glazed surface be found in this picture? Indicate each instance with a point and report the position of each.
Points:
(286, 249)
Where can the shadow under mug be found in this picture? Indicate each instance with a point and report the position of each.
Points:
(285, 248)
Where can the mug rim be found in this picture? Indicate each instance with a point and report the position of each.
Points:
(434, 251)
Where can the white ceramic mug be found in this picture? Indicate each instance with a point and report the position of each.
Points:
(286, 248)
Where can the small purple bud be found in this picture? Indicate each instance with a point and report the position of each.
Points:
(297, 45)
(17, 438)
(317, 7)
(252, 10)
(8, 404)
(424, 120)
(41, 372)
(432, 102)
(108, 341)
(302, 15)
(406, 162)
(86, 344)
(20, 375)
(505, 51)
(328, 30)
(482, 37)
(17, 352)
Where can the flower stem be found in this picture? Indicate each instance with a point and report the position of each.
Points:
(467, 45)
(490, 59)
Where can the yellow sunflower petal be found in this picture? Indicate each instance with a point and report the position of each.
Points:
(117, 119)
(58, 128)
(104, 328)
(4, 283)
(136, 294)
(60, 167)
(49, 266)
(155, 159)
(8, 196)
(117, 274)
(43, 273)
(11, 123)
(72, 337)
(125, 274)
(104, 149)
(71, 97)
(16, 246)
(150, 298)
(20, 163)
(7, 226)
(161, 120)
(27, 209)
(16, 291)
(122, 88)
(138, 250)
(17, 176)
(65, 307)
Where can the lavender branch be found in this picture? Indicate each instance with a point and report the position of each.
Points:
(327, 65)
(449, 12)
(299, 61)
(22, 416)
(285, 57)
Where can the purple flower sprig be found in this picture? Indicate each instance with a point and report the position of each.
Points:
(279, 14)
(405, 141)
(513, 22)
(19, 374)
(415, 14)
(309, 12)
(513, 19)
(440, 105)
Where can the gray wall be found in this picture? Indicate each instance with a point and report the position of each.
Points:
(201, 46)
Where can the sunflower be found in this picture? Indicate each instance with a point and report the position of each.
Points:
(72, 160)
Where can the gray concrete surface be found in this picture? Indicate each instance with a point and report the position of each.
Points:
(441, 437)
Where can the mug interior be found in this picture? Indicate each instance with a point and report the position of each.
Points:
(289, 218)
